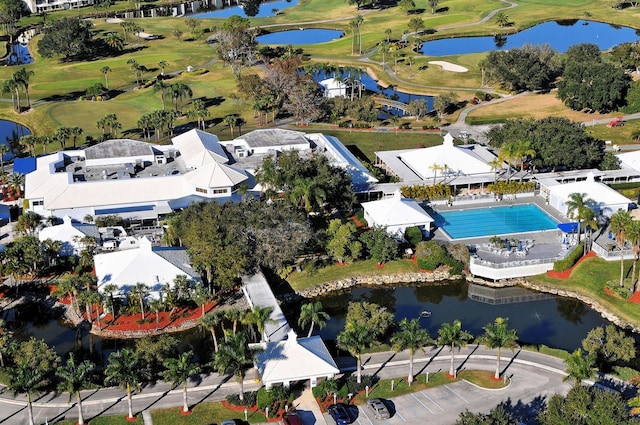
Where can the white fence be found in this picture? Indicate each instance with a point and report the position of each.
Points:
(510, 269)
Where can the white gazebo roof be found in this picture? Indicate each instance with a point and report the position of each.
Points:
(455, 159)
(295, 359)
(198, 148)
(215, 175)
(396, 211)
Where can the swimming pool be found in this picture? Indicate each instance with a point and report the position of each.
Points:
(503, 220)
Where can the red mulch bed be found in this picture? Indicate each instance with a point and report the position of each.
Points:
(359, 223)
(566, 273)
(135, 322)
(635, 298)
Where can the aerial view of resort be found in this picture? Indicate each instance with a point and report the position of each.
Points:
(234, 212)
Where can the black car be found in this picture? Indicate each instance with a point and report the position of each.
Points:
(291, 418)
(339, 414)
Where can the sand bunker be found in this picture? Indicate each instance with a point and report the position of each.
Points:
(448, 66)
(114, 20)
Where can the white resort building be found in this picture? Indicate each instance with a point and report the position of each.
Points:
(396, 214)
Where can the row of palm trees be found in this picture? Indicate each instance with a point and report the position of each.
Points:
(625, 229)
(19, 81)
(412, 337)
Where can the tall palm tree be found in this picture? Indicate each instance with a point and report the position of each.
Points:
(114, 40)
(199, 111)
(496, 164)
(6, 337)
(233, 357)
(435, 167)
(25, 379)
(579, 366)
(179, 371)
(126, 370)
(453, 335)
(577, 206)
(498, 335)
(522, 151)
(259, 316)
(105, 70)
(110, 289)
(355, 339)
(230, 120)
(9, 87)
(178, 91)
(311, 313)
(73, 378)
(620, 222)
(22, 77)
(162, 64)
(135, 67)
(634, 238)
(62, 134)
(211, 321)
(140, 291)
(507, 154)
(234, 315)
(410, 337)
(162, 87)
(75, 132)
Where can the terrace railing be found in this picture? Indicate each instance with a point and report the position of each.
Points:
(511, 269)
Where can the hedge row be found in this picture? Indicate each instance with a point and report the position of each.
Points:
(426, 193)
(569, 260)
(503, 187)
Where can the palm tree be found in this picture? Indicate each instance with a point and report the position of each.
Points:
(522, 151)
(498, 335)
(6, 337)
(230, 120)
(312, 313)
(25, 379)
(234, 315)
(577, 206)
(634, 238)
(620, 222)
(495, 164)
(435, 167)
(29, 142)
(22, 78)
(210, 321)
(199, 111)
(233, 357)
(162, 64)
(259, 316)
(135, 67)
(9, 87)
(178, 91)
(358, 22)
(179, 371)
(579, 366)
(75, 377)
(452, 334)
(140, 291)
(110, 289)
(507, 154)
(75, 132)
(161, 86)
(61, 135)
(125, 369)
(502, 19)
(410, 337)
(105, 70)
(355, 339)
(114, 40)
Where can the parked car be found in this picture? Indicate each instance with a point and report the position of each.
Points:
(378, 408)
(291, 418)
(228, 422)
(339, 414)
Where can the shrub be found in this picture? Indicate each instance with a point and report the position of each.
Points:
(425, 192)
(413, 235)
(503, 187)
(360, 217)
(249, 399)
(459, 252)
(569, 260)
(352, 383)
(429, 255)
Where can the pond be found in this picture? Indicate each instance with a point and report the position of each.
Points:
(553, 321)
(300, 36)
(9, 132)
(560, 35)
(254, 9)
(389, 92)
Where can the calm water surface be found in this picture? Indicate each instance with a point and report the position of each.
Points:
(264, 9)
(556, 322)
(300, 36)
(9, 131)
(559, 35)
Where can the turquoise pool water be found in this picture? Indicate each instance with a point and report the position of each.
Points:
(503, 220)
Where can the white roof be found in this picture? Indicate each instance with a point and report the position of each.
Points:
(396, 211)
(198, 148)
(599, 192)
(153, 266)
(463, 159)
(295, 359)
(630, 159)
(215, 175)
(333, 84)
(67, 231)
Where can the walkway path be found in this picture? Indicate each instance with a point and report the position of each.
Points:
(547, 372)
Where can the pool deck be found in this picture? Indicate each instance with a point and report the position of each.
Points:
(546, 244)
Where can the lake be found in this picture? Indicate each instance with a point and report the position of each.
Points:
(300, 36)
(553, 321)
(9, 131)
(560, 35)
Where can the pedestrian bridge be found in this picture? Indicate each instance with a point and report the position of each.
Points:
(258, 293)
(393, 104)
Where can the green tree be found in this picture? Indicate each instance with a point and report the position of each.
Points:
(498, 335)
(311, 314)
(73, 378)
(259, 316)
(27, 380)
(502, 19)
(179, 371)
(114, 40)
(527, 68)
(410, 337)
(6, 337)
(444, 102)
(453, 335)
(370, 315)
(577, 206)
(341, 237)
(179, 91)
(233, 357)
(620, 222)
(199, 111)
(609, 345)
(355, 339)
(66, 37)
(579, 366)
(381, 246)
(416, 25)
(162, 64)
(22, 77)
(433, 4)
(125, 369)
(210, 321)
(406, 5)
(105, 70)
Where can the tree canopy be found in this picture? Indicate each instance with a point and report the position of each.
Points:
(526, 68)
(66, 37)
(556, 141)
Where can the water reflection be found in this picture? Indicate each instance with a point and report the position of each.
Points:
(553, 321)
(249, 8)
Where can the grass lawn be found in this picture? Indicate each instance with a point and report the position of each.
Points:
(106, 420)
(589, 278)
(311, 277)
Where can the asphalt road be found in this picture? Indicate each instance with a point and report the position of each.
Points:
(534, 377)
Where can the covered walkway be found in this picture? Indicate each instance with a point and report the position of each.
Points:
(258, 293)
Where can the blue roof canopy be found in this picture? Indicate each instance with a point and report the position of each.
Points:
(569, 227)
(24, 165)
